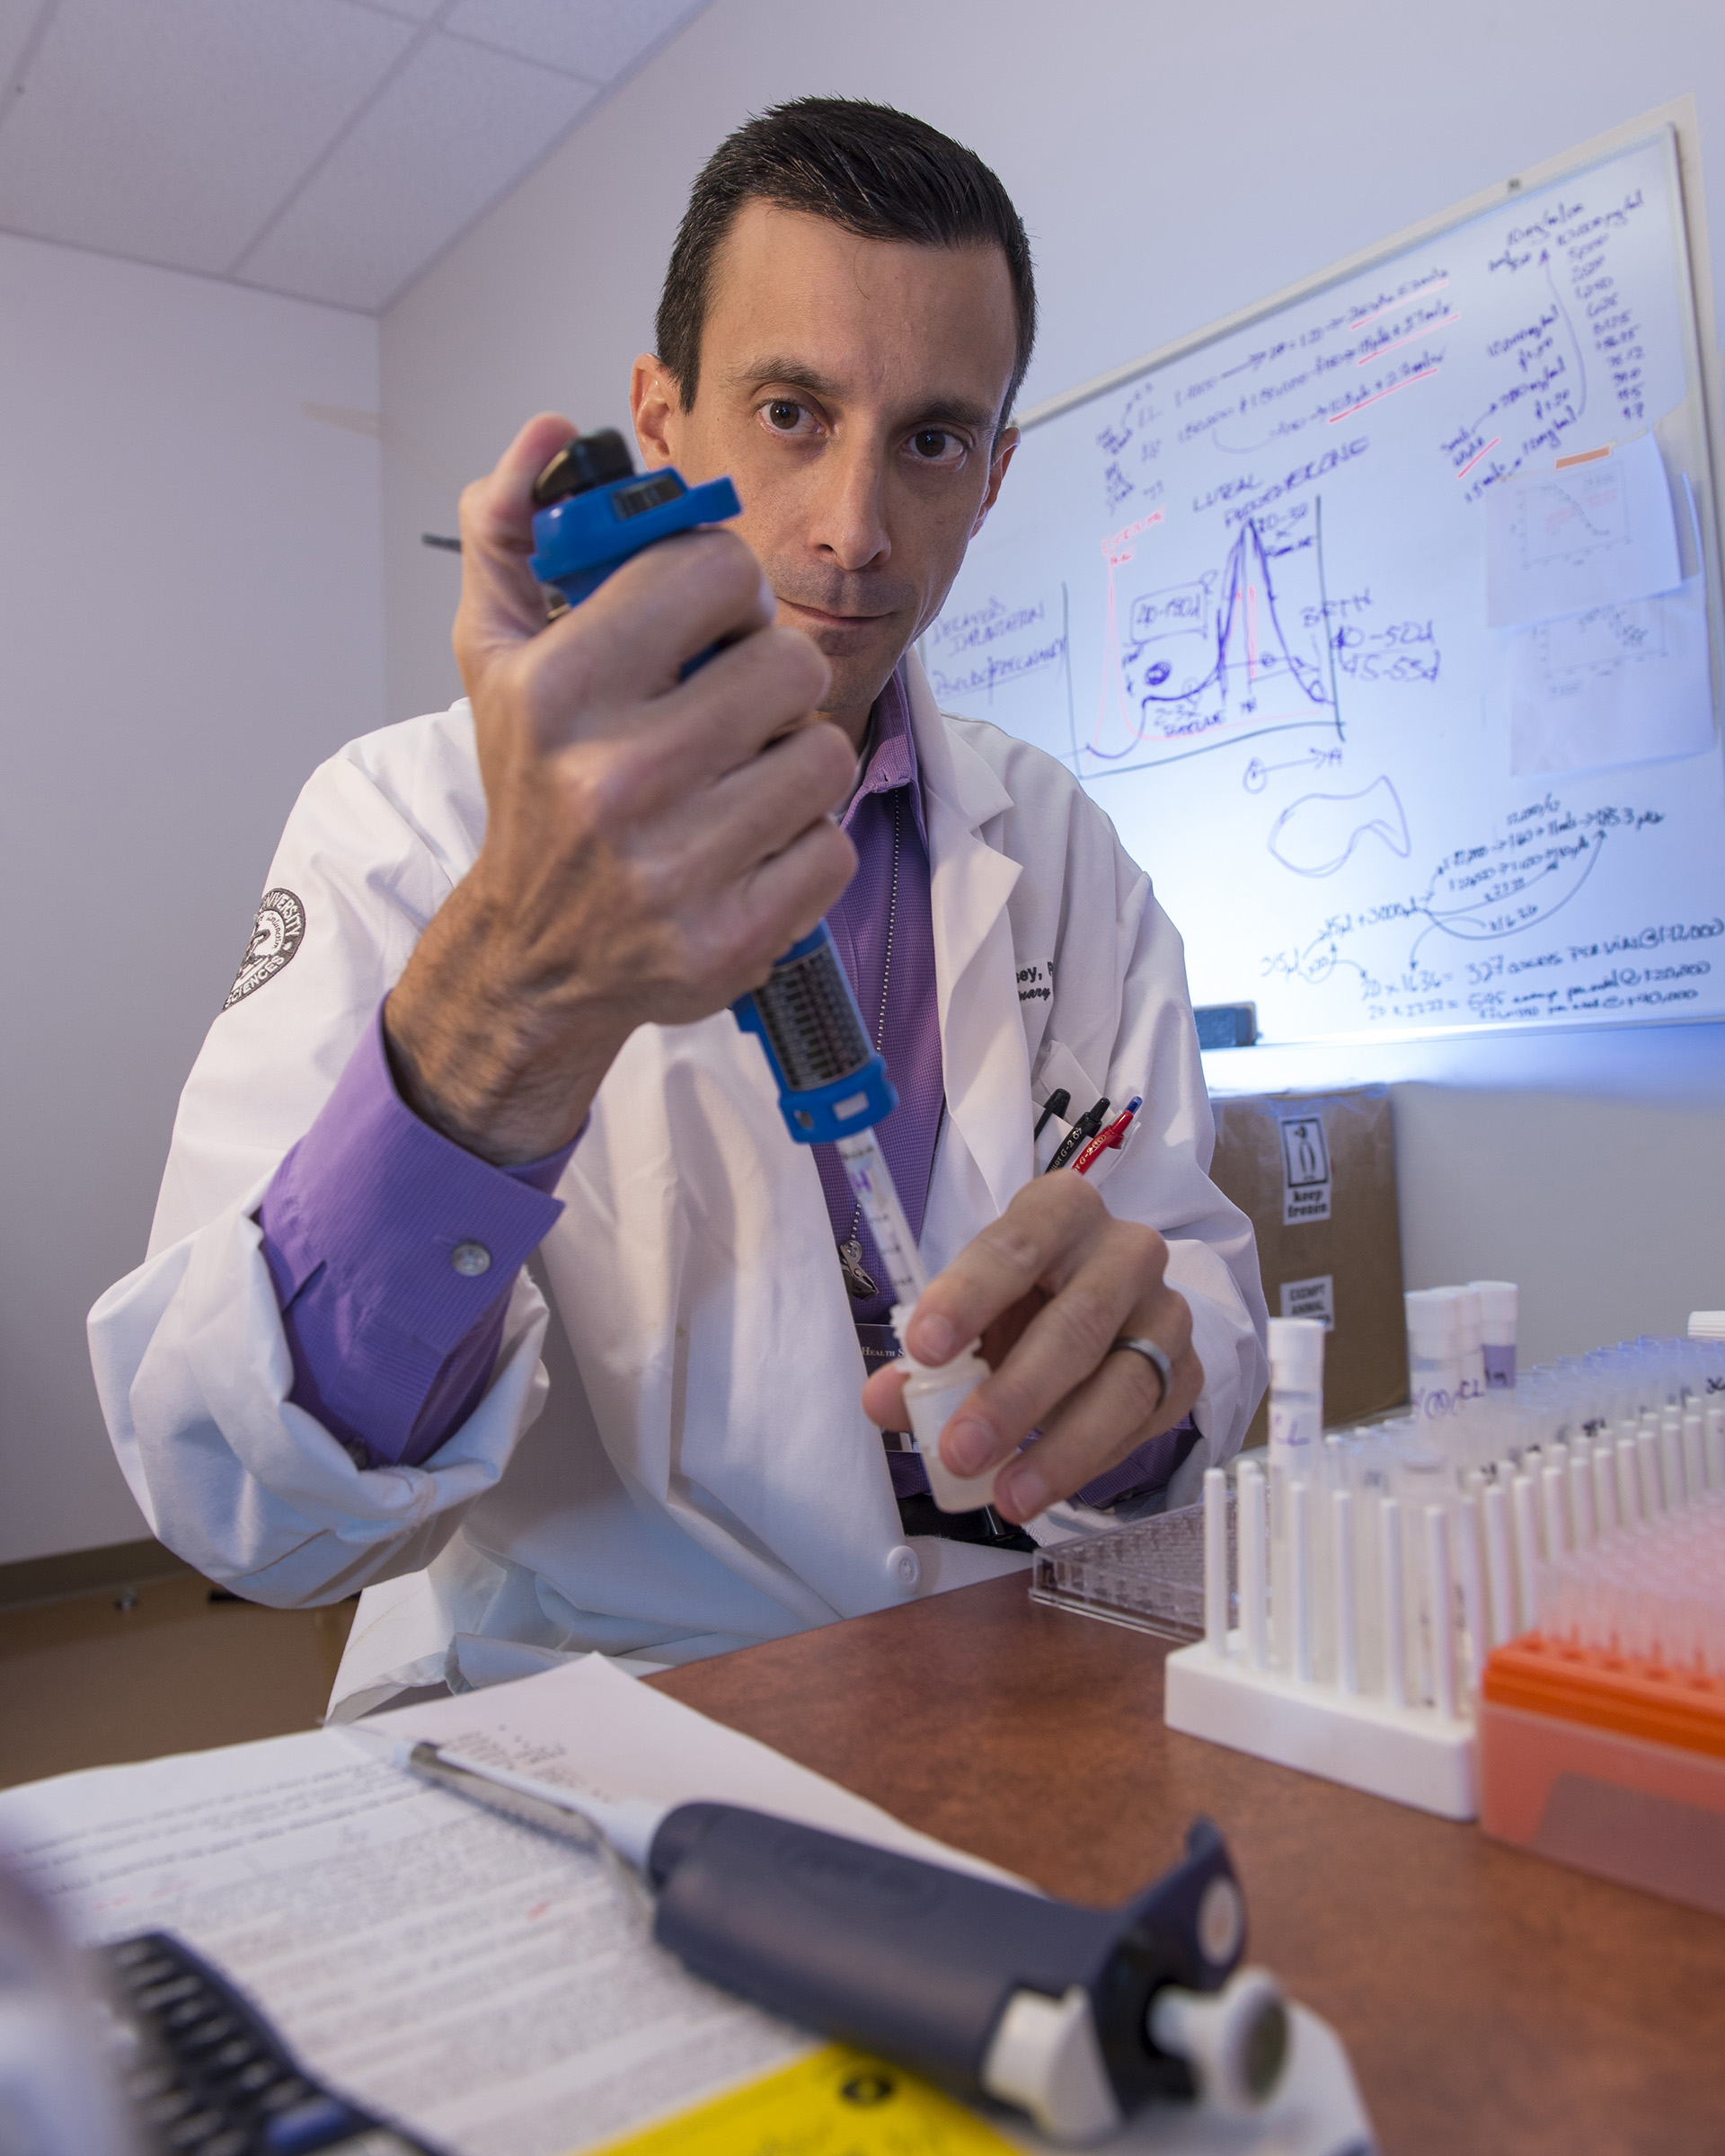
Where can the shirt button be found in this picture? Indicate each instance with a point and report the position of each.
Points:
(903, 1569)
(471, 1259)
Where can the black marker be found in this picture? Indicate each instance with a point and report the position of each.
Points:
(1081, 1131)
(1060, 1101)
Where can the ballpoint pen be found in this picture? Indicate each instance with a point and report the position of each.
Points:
(1081, 1131)
(1106, 1141)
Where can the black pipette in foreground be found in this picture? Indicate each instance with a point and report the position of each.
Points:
(1077, 2017)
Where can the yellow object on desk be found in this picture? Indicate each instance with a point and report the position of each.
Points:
(837, 2102)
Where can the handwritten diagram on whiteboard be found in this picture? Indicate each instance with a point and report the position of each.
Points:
(1245, 597)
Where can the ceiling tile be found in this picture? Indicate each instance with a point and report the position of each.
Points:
(455, 129)
(169, 132)
(600, 39)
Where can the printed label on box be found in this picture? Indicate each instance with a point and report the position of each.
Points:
(1314, 1298)
(1306, 1170)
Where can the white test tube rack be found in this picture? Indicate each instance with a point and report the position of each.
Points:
(1257, 1686)
(1227, 1686)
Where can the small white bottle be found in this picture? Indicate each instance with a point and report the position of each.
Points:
(1433, 1353)
(1497, 1300)
(1295, 1431)
(932, 1396)
(1468, 1318)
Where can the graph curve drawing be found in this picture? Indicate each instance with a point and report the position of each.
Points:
(1317, 834)
(1213, 660)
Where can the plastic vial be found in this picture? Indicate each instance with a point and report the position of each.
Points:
(1497, 1301)
(1295, 1431)
(932, 1396)
(1433, 1353)
(1473, 1354)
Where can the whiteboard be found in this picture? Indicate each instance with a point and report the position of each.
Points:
(1239, 588)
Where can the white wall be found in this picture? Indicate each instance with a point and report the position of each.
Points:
(1171, 164)
(190, 617)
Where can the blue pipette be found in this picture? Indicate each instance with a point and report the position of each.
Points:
(595, 513)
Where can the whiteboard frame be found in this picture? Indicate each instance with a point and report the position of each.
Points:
(1677, 125)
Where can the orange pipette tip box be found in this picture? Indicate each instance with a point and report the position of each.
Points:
(1613, 1765)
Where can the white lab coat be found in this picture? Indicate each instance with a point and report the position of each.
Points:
(696, 1473)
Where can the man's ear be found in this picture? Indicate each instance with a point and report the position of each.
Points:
(656, 405)
(1001, 457)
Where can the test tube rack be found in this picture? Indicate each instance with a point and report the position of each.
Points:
(1228, 1687)
(1377, 1690)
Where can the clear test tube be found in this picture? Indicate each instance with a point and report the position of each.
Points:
(1629, 1476)
(1671, 1457)
(1299, 1579)
(1604, 1487)
(1369, 1483)
(1441, 1600)
(1554, 1512)
(1581, 1495)
(1394, 1604)
(1499, 1561)
(1253, 1563)
(1715, 1436)
(1471, 1573)
(1694, 1449)
(1423, 1477)
(1647, 1458)
(1346, 1606)
(1216, 1559)
(1525, 1517)
(1295, 1431)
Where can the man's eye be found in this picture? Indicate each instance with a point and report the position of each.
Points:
(783, 415)
(935, 445)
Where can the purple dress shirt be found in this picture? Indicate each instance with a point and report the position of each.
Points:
(394, 1249)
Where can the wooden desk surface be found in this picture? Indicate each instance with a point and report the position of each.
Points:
(1490, 2001)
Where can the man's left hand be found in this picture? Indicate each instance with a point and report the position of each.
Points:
(1049, 1287)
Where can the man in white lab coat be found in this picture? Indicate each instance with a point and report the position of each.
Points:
(483, 1012)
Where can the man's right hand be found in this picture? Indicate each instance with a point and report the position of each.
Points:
(651, 846)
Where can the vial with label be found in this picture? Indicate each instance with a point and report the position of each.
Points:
(1433, 1353)
(1497, 1300)
(1295, 1431)
(1472, 1357)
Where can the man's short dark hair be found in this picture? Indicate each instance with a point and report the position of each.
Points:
(872, 170)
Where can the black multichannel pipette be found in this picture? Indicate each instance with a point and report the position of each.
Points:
(595, 513)
(1077, 2017)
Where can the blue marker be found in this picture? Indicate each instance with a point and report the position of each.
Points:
(595, 513)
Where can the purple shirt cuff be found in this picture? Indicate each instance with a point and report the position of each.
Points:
(394, 1252)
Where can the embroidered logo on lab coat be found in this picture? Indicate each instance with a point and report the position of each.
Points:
(276, 936)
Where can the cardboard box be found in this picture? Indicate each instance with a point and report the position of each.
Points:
(1316, 1173)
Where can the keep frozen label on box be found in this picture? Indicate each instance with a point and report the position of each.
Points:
(1306, 1170)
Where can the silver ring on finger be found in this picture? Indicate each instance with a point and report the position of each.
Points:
(1136, 1345)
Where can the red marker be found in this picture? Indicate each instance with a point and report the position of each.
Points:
(1105, 1141)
